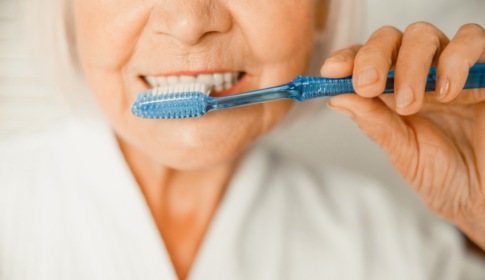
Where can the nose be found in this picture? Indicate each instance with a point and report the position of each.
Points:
(189, 20)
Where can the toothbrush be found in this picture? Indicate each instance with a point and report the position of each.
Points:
(191, 100)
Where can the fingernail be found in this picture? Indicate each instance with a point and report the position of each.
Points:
(405, 96)
(343, 111)
(367, 76)
(444, 88)
(338, 58)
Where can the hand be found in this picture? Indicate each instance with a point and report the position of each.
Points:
(436, 141)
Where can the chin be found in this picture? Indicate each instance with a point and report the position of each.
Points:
(189, 144)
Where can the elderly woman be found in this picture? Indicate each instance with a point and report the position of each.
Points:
(129, 198)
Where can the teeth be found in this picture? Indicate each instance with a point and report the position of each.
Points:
(152, 81)
(206, 79)
(218, 79)
(219, 88)
(172, 80)
(181, 88)
(187, 79)
(162, 81)
(228, 78)
(203, 83)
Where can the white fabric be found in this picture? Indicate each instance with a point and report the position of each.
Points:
(70, 209)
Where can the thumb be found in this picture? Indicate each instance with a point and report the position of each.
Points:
(383, 126)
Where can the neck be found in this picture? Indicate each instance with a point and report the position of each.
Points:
(182, 202)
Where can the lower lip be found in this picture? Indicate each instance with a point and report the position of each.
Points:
(233, 90)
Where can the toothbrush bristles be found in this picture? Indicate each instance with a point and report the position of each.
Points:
(181, 88)
(179, 101)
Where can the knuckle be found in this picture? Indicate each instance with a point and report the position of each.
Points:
(472, 28)
(387, 35)
(347, 52)
(388, 30)
(350, 51)
(423, 33)
(421, 26)
(373, 53)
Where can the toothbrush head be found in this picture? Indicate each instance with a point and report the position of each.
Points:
(172, 102)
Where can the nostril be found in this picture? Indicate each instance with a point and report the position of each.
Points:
(190, 22)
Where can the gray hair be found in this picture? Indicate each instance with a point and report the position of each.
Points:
(50, 28)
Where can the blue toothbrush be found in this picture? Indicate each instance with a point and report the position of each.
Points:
(185, 101)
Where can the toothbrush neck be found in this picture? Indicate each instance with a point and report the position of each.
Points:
(253, 97)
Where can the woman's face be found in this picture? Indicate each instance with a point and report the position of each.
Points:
(127, 46)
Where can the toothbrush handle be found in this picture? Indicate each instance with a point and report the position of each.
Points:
(476, 79)
(313, 87)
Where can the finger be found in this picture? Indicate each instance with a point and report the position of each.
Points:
(422, 43)
(341, 63)
(389, 100)
(374, 60)
(465, 50)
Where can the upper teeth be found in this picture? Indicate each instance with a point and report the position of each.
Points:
(217, 81)
(180, 88)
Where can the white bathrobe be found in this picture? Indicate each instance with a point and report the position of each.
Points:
(71, 209)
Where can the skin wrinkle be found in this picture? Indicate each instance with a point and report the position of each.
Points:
(397, 45)
(475, 96)
(464, 159)
(461, 140)
(412, 134)
(469, 160)
(133, 48)
(477, 144)
(439, 209)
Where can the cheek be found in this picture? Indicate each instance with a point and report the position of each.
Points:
(107, 31)
(277, 31)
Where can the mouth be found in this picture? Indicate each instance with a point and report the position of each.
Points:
(220, 83)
